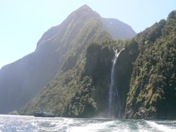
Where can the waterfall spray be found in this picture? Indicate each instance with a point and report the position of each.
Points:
(113, 92)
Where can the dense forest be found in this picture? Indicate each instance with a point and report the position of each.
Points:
(153, 82)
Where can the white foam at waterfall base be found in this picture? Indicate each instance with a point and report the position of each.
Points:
(161, 128)
(98, 127)
(59, 124)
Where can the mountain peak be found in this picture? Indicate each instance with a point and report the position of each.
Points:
(60, 49)
(85, 7)
(172, 14)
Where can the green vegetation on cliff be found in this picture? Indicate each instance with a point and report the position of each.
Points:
(80, 91)
(153, 83)
(145, 73)
(83, 90)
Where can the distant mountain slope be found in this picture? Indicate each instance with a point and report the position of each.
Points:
(117, 29)
(23, 79)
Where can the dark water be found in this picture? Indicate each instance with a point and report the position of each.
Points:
(35, 124)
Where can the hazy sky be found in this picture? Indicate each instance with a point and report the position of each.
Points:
(22, 22)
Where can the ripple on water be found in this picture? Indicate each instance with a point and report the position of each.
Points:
(33, 124)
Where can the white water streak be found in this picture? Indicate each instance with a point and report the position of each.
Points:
(112, 90)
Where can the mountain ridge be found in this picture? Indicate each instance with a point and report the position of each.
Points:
(29, 74)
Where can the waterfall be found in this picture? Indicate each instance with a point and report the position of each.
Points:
(113, 92)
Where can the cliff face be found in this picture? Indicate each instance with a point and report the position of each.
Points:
(58, 50)
(81, 91)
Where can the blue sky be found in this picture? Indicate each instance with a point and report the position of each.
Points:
(22, 22)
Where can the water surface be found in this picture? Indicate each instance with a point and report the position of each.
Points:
(10, 123)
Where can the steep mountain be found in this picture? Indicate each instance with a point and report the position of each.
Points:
(59, 50)
(144, 78)
(153, 82)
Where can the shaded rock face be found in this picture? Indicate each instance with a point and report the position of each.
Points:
(23, 79)
(123, 73)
